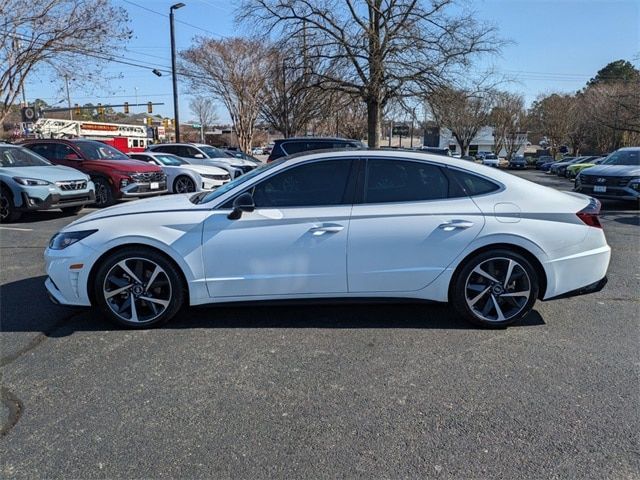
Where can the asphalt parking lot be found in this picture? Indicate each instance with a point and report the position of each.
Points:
(333, 391)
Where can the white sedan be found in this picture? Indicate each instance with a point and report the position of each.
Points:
(182, 177)
(338, 224)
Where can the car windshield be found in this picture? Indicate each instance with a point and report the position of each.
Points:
(213, 152)
(205, 197)
(20, 157)
(170, 160)
(100, 151)
(623, 157)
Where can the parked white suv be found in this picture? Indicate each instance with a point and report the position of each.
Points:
(201, 154)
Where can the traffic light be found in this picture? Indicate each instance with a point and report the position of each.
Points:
(149, 121)
(149, 107)
(126, 107)
(100, 109)
(165, 122)
(76, 109)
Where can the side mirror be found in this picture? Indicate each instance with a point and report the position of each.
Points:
(71, 156)
(242, 203)
(198, 155)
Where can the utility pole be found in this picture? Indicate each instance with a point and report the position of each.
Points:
(66, 81)
(285, 100)
(176, 118)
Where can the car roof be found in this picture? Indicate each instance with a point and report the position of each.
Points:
(325, 139)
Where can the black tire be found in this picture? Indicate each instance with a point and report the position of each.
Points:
(184, 184)
(467, 287)
(72, 210)
(167, 286)
(104, 194)
(8, 212)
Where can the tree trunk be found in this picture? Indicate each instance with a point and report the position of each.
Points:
(373, 123)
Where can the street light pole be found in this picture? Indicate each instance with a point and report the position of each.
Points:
(176, 118)
(66, 80)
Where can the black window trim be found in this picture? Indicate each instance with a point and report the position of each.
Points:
(350, 189)
(359, 200)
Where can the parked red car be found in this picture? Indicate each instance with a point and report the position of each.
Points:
(114, 174)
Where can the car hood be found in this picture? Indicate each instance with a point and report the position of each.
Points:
(206, 170)
(167, 203)
(615, 170)
(50, 173)
(124, 165)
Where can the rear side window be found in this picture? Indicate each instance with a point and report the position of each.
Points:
(390, 181)
(472, 184)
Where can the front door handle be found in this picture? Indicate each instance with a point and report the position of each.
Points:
(455, 224)
(326, 228)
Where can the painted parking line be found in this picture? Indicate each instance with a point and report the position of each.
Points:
(17, 229)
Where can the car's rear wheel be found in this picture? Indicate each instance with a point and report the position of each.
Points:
(104, 194)
(184, 184)
(495, 288)
(8, 212)
(138, 288)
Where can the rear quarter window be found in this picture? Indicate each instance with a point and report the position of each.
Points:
(471, 184)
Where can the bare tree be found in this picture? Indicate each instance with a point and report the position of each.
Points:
(378, 50)
(509, 121)
(291, 102)
(551, 117)
(65, 35)
(234, 71)
(205, 112)
(460, 111)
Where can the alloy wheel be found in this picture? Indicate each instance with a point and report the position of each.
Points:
(102, 196)
(4, 206)
(184, 185)
(497, 289)
(137, 290)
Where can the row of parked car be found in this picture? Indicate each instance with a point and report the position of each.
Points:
(615, 176)
(67, 174)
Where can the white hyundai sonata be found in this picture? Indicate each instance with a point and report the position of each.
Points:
(353, 223)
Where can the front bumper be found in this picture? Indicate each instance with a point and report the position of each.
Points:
(66, 285)
(55, 200)
(612, 192)
(139, 189)
(210, 184)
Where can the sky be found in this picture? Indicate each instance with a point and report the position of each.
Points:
(555, 46)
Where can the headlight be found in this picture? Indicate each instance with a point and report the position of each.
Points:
(63, 239)
(635, 184)
(31, 182)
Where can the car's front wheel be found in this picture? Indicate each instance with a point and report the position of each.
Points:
(184, 184)
(138, 287)
(8, 212)
(104, 194)
(495, 288)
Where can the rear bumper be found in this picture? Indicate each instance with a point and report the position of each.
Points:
(591, 288)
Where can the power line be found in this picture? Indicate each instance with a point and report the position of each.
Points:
(177, 21)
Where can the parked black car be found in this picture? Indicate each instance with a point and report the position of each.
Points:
(542, 160)
(289, 146)
(518, 162)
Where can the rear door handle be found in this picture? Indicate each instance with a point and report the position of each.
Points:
(326, 228)
(455, 224)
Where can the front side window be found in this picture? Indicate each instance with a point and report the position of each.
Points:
(213, 152)
(390, 181)
(312, 184)
(64, 152)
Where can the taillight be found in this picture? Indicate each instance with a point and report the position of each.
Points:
(590, 214)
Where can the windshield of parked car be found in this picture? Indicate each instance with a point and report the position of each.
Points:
(205, 197)
(213, 152)
(623, 157)
(100, 151)
(20, 157)
(170, 160)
